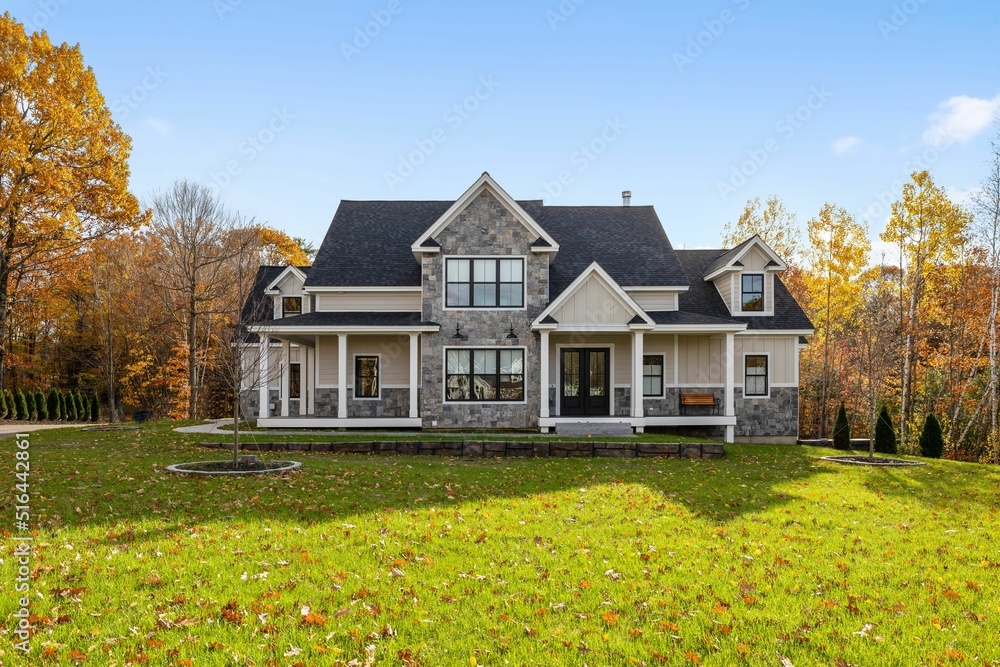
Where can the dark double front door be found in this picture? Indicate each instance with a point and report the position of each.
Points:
(585, 382)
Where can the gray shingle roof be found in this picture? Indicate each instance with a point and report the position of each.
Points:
(678, 317)
(627, 241)
(703, 298)
(369, 242)
(258, 305)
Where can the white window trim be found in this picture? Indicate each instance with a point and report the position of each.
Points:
(444, 373)
(478, 309)
(611, 372)
(280, 299)
(354, 379)
(663, 376)
(767, 376)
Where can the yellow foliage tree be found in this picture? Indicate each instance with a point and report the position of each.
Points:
(837, 255)
(278, 248)
(928, 229)
(64, 162)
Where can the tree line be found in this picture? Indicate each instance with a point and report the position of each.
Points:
(911, 333)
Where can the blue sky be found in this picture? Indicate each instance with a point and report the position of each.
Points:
(287, 108)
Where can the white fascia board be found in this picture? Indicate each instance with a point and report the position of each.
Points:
(699, 328)
(289, 269)
(616, 289)
(316, 289)
(724, 270)
(647, 288)
(277, 331)
(759, 242)
(485, 182)
(780, 332)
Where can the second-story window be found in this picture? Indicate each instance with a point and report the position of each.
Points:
(484, 283)
(753, 293)
(291, 305)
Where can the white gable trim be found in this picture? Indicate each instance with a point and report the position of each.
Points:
(593, 270)
(485, 183)
(288, 269)
(755, 242)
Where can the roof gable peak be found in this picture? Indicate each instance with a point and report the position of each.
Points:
(485, 183)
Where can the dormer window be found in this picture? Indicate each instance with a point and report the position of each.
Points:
(484, 283)
(291, 305)
(753, 293)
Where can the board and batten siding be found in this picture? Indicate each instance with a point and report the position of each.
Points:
(700, 360)
(655, 300)
(661, 344)
(724, 284)
(781, 352)
(393, 353)
(388, 301)
(622, 353)
(593, 304)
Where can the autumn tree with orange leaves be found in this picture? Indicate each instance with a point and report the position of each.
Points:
(64, 164)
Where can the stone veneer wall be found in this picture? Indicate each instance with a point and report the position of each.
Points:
(776, 417)
(623, 401)
(486, 228)
(393, 403)
(670, 405)
(326, 403)
(250, 399)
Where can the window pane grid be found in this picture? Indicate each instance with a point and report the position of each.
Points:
(484, 375)
(484, 283)
(652, 375)
(753, 293)
(755, 370)
(366, 377)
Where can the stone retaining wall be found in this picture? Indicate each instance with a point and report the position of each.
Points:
(494, 448)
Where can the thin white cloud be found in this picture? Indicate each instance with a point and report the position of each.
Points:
(961, 119)
(846, 144)
(158, 125)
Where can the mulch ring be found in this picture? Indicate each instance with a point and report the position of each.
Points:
(244, 467)
(878, 461)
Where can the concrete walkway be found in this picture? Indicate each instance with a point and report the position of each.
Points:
(212, 427)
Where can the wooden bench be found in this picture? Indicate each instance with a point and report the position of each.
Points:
(699, 401)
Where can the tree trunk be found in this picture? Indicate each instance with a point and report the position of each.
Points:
(826, 362)
(192, 358)
(236, 429)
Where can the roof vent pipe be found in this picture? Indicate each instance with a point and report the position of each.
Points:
(627, 198)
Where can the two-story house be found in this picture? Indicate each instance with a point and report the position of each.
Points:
(487, 312)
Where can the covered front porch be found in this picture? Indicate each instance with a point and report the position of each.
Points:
(637, 375)
(339, 377)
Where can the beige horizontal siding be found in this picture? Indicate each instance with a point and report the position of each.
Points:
(655, 301)
(388, 301)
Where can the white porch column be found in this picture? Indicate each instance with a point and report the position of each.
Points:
(303, 385)
(286, 359)
(309, 368)
(730, 384)
(342, 376)
(414, 375)
(264, 411)
(637, 352)
(543, 373)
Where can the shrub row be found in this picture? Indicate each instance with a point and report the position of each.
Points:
(931, 438)
(57, 406)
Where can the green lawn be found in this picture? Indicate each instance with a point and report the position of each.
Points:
(765, 554)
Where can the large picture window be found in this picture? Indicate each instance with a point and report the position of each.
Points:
(484, 283)
(755, 382)
(484, 375)
(366, 377)
(753, 293)
(652, 375)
